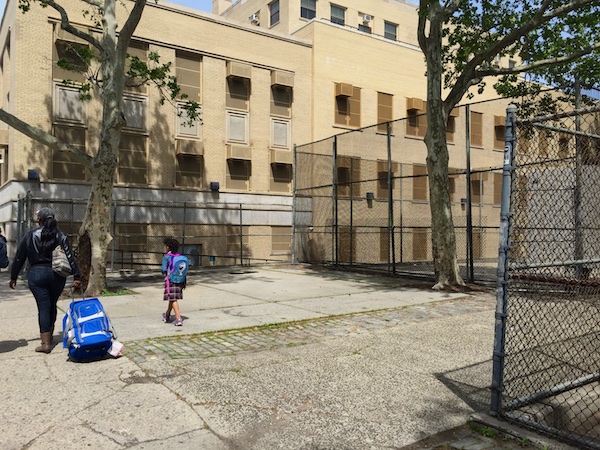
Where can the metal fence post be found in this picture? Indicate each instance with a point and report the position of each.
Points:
(391, 240)
(334, 205)
(469, 230)
(294, 206)
(241, 238)
(501, 287)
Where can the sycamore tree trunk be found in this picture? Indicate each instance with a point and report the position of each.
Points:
(443, 237)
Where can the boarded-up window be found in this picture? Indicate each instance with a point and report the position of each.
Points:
(68, 105)
(281, 177)
(133, 161)
(476, 129)
(189, 171)
(237, 236)
(280, 133)
(385, 111)
(476, 189)
(348, 176)
(136, 50)
(384, 244)
(419, 182)
(450, 128)
(420, 240)
(564, 145)
(131, 244)
(238, 174)
(416, 123)
(347, 109)
(281, 239)
(544, 138)
(346, 245)
(134, 110)
(497, 188)
(499, 132)
(237, 127)
(187, 71)
(64, 164)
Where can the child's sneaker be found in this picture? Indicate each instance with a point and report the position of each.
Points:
(178, 322)
(166, 319)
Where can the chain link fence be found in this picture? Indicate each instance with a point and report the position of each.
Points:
(546, 357)
(358, 212)
(209, 234)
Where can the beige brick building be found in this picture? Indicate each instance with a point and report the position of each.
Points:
(268, 74)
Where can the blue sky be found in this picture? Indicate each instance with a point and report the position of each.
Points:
(203, 5)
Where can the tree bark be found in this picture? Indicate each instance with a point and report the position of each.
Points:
(443, 236)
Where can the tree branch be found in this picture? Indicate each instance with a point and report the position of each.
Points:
(537, 64)
(44, 138)
(470, 71)
(65, 24)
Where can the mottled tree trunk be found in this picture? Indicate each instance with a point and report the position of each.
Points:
(443, 237)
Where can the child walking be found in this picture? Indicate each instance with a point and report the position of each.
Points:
(173, 291)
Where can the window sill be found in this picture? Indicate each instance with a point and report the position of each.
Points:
(415, 137)
(498, 150)
(345, 127)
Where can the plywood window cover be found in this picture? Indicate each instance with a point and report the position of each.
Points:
(72, 96)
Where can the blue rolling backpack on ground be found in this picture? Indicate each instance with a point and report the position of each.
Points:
(87, 331)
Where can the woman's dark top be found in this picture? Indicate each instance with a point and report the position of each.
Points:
(31, 249)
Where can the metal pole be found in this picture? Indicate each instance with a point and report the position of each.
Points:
(391, 243)
(334, 206)
(577, 206)
(183, 230)
(352, 162)
(469, 211)
(241, 238)
(294, 205)
(114, 227)
(502, 283)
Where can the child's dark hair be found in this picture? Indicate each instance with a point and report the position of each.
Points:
(172, 244)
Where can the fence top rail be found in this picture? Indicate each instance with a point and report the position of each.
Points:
(561, 115)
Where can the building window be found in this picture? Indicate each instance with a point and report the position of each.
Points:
(338, 15)
(451, 124)
(382, 178)
(364, 28)
(134, 110)
(68, 105)
(138, 50)
(238, 174)
(238, 93)
(185, 129)
(133, 160)
(385, 111)
(498, 189)
(189, 171)
(384, 244)
(419, 183)
(416, 123)
(281, 239)
(281, 178)
(281, 101)
(68, 64)
(511, 64)
(390, 31)
(188, 72)
(476, 129)
(477, 186)
(347, 106)
(237, 239)
(274, 13)
(131, 241)
(420, 244)
(64, 165)
(280, 133)
(308, 9)
(237, 127)
(348, 176)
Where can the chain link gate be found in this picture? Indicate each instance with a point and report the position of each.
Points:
(546, 353)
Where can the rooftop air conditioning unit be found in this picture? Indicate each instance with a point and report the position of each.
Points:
(367, 18)
(254, 19)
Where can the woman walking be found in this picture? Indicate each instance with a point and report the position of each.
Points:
(45, 284)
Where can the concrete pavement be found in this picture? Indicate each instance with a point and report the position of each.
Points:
(361, 362)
